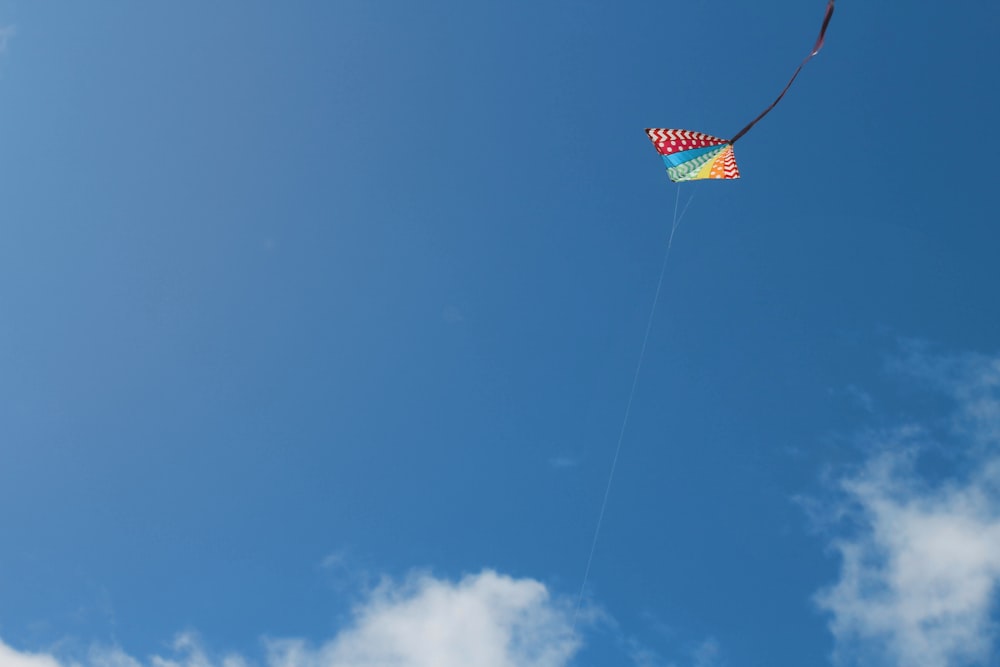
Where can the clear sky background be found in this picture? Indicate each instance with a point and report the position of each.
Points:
(318, 322)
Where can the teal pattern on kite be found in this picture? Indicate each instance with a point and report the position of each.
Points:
(691, 156)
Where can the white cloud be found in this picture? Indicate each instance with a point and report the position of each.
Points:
(920, 578)
(484, 620)
(11, 658)
(920, 572)
(487, 620)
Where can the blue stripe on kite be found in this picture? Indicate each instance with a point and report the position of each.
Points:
(677, 159)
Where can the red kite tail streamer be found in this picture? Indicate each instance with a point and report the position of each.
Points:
(816, 49)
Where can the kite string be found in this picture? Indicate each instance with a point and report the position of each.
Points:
(628, 404)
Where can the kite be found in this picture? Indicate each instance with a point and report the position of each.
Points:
(690, 156)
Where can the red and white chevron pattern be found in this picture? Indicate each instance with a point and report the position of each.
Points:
(729, 164)
(659, 134)
(674, 141)
(724, 166)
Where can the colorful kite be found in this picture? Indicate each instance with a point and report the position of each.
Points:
(690, 156)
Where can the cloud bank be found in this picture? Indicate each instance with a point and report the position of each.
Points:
(485, 620)
(920, 570)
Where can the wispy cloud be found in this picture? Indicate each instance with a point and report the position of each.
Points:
(920, 557)
(7, 33)
(334, 560)
(973, 382)
(861, 398)
(345, 573)
(486, 619)
(453, 315)
(563, 462)
(708, 654)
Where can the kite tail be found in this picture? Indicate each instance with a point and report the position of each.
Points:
(816, 49)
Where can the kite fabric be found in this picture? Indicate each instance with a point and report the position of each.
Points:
(690, 156)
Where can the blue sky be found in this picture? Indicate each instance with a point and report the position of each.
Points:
(318, 322)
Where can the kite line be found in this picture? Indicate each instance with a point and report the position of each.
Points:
(631, 396)
(688, 156)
